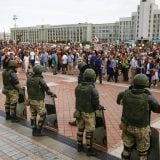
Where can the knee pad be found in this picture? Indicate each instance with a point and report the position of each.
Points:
(125, 156)
(7, 107)
(13, 108)
(89, 134)
(127, 152)
(13, 105)
(41, 121)
(89, 137)
(79, 137)
(7, 104)
(42, 116)
(79, 134)
(143, 155)
(34, 122)
(33, 115)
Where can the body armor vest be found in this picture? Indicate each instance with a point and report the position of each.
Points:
(6, 79)
(135, 108)
(35, 92)
(83, 98)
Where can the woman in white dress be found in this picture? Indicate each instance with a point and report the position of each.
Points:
(26, 62)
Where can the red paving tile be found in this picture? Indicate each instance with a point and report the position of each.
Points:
(65, 105)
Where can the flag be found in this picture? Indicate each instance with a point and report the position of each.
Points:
(96, 39)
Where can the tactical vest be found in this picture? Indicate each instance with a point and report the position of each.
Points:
(135, 108)
(83, 98)
(6, 79)
(34, 90)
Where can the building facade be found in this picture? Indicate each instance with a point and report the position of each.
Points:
(4, 36)
(47, 33)
(142, 25)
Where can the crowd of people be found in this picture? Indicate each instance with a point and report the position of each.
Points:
(109, 62)
(140, 65)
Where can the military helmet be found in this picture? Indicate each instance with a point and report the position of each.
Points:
(81, 65)
(89, 75)
(12, 64)
(141, 80)
(38, 69)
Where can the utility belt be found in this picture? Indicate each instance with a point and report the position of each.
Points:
(123, 126)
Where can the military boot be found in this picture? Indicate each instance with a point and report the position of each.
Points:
(8, 117)
(125, 155)
(91, 152)
(34, 132)
(14, 118)
(80, 148)
(39, 133)
(34, 126)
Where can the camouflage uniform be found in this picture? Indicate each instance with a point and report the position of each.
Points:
(11, 88)
(87, 101)
(82, 67)
(36, 88)
(135, 121)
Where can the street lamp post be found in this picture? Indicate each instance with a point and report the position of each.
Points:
(15, 18)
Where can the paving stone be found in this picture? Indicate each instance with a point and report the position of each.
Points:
(18, 156)
(13, 153)
(27, 144)
(18, 139)
(8, 135)
(41, 152)
(4, 147)
(35, 150)
(47, 156)
(2, 143)
(54, 158)
(1, 153)
(30, 147)
(27, 158)
(10, 149)
(13, 137)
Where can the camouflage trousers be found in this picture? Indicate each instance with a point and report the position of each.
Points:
(86, 121)
(11, 101)
(37, 107)
(136, 137)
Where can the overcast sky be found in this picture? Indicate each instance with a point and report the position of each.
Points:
(54, 12)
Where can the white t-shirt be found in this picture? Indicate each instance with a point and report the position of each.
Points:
(32, 54)
(64, 59)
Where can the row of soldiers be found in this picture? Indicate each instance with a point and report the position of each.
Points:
(137, 104)
(36, 88)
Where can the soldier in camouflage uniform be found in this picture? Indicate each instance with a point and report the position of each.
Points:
(135, 121)
(36, 88)
(11, 88)
(87, 101)
(82, 67)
